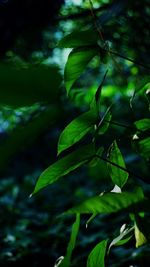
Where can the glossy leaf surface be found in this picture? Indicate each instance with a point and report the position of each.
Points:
(64, 166)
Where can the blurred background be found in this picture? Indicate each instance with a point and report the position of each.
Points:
(32, 230)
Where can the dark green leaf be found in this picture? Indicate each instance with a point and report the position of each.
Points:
(97, 256)
(143, 124)
(144, 147)
(104, 123)
(64, 166)
(76, 64)
(75, 229)
(109, 203)
(78, 39)
(25, 86)
(118, 176)
(75, 130)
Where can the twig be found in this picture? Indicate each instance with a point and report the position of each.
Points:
(120, 167)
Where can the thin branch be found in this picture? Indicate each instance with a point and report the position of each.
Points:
(126, 58)
(120, 167)
(127, 127)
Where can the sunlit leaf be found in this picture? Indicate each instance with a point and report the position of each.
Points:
(64, 166)
(109, 203)
(78, 39)
(75, 229)
(76, 64)
(75, 130)
(97, 256)
(25, 86)
(118, 176)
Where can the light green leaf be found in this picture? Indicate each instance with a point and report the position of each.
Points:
(77, 61)
(78, 39)
(64, 166)
(25, 86)
(97, 256)
(75, 229)
(143, 124)
(109, 203)
(118, 176)
(139, 237)
(75, 130)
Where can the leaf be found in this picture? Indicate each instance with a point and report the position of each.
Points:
(118, 176)
(75, 229)
(109, 203)
(25, 86)
(144, 147)
(78, 39)
(97, 256)
(77, 129)
(143, 124)
(64, 166)
(139, 237)
(104, 123)
(122, 238)
(77, 61)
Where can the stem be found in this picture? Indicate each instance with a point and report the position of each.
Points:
(126, 58)
(120, 167)
(127, 127)
(95, 21)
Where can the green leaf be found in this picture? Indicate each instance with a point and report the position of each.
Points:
(77, 129)
(77, 61)
(118, 176)
(143, 124)
(109, 203)
(144, 147)
(78, 39)
(25, 86)
(104, 123)
(64, 166)
(97, 256)
(75, 229)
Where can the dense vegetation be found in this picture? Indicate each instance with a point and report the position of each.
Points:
(74, 133)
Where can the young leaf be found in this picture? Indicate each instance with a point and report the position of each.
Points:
(78, 39)
(76, 64)
(26, 86)
(75, 229)
(123, 238)
(75, 130)
(97, 256)
(143, 124)
(118, 176)
(139, 237)
(64, 166)
(109, 203)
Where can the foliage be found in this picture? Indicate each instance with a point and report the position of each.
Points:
(106, 140)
